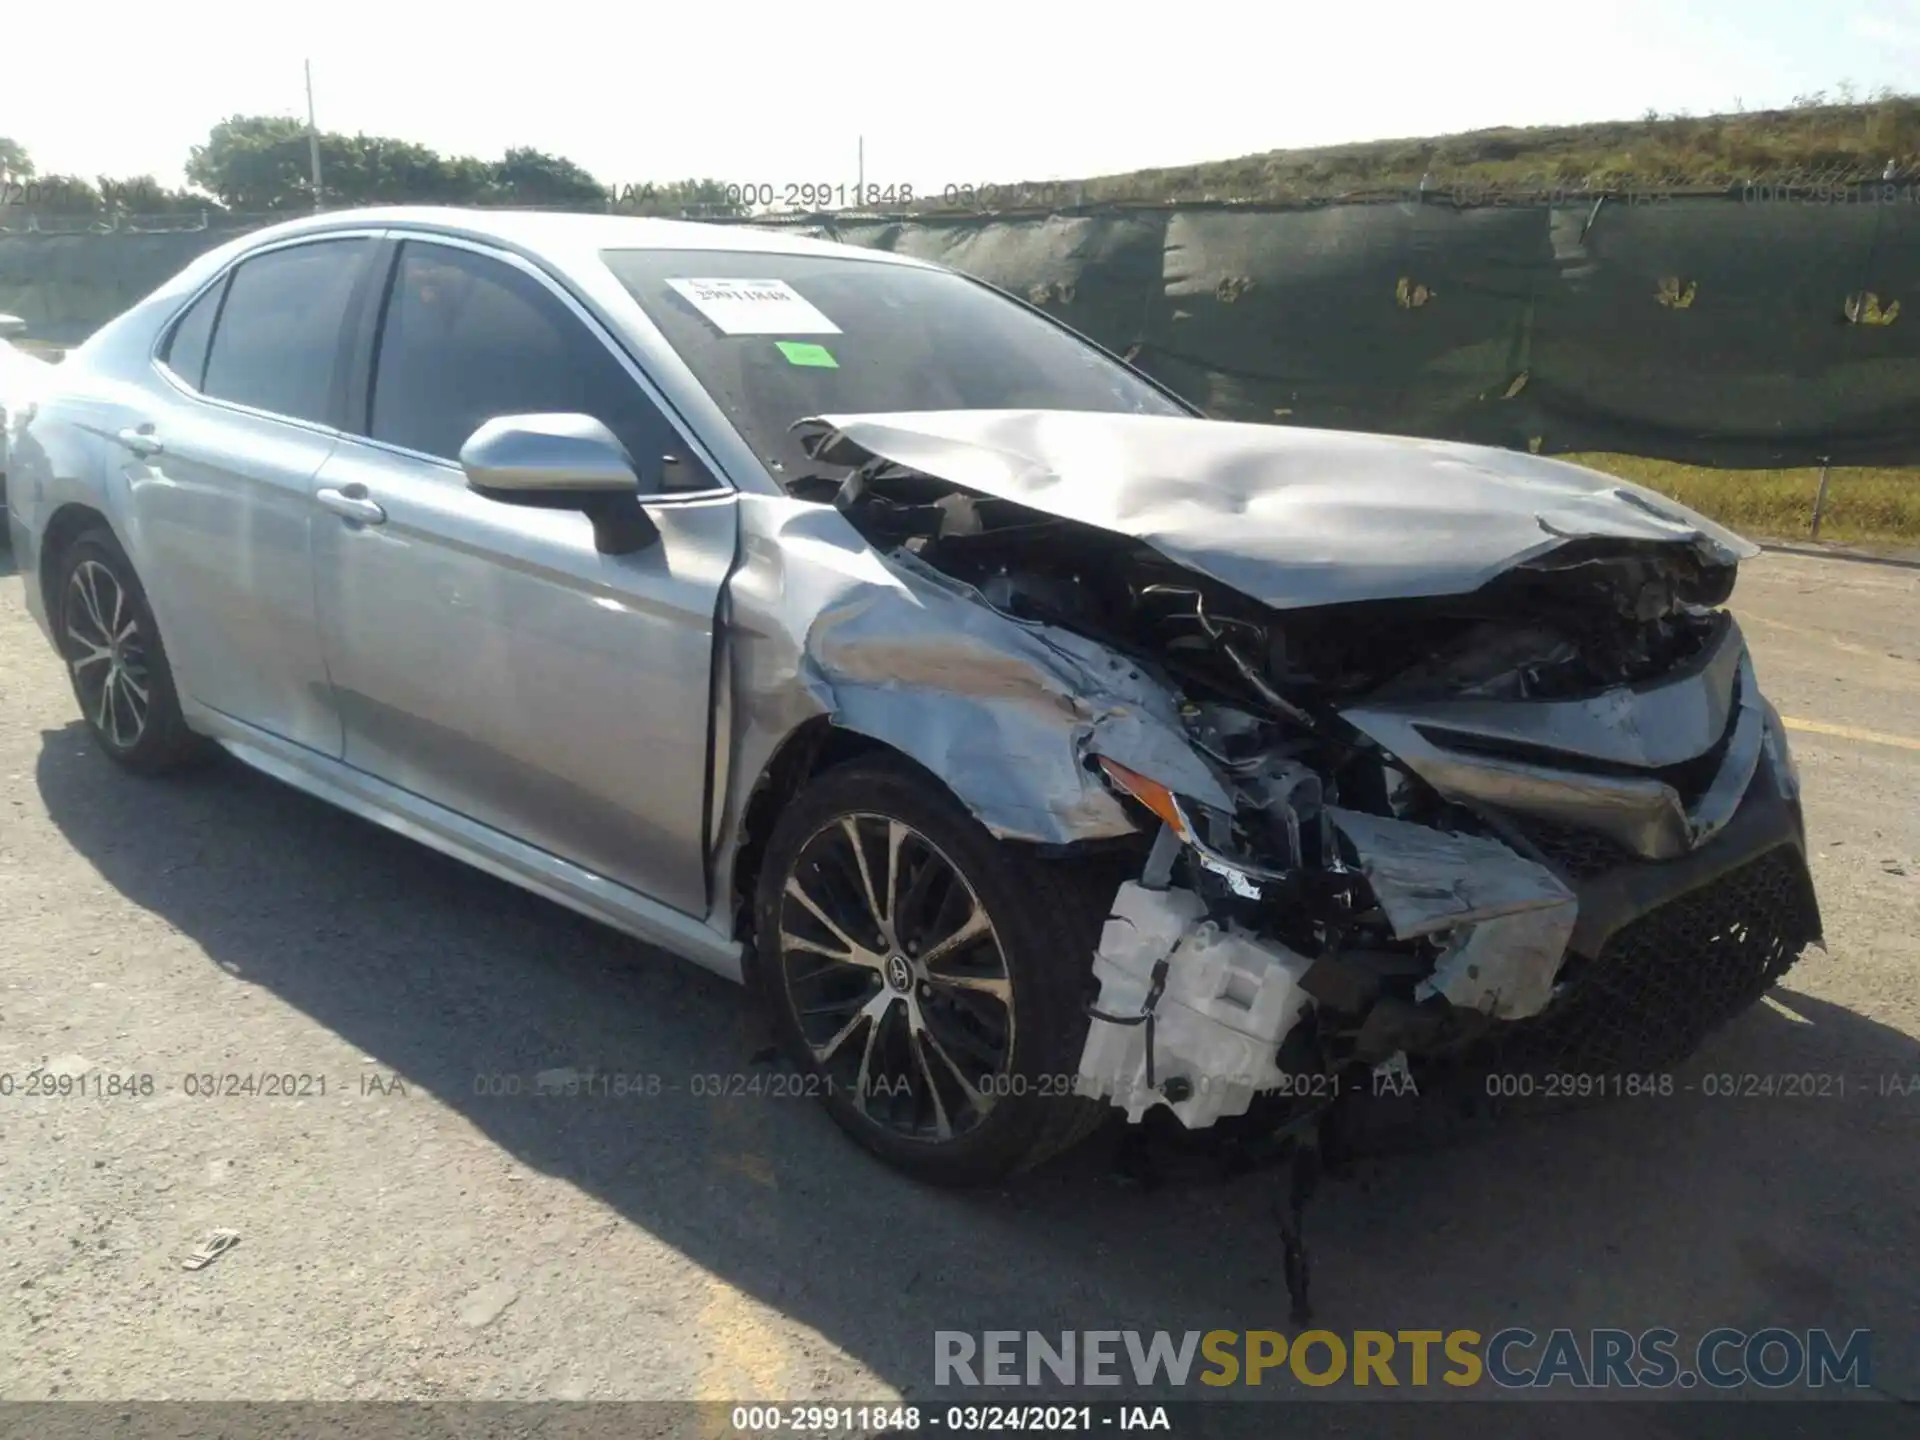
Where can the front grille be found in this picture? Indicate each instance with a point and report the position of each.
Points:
(1579, 854)
(1666, 980)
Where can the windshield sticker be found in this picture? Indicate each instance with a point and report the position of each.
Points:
(755, 307)
(803, 352)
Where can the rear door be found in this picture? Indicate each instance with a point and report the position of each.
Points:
(220, 479)
(485, 656)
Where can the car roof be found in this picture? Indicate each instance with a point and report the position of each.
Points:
(571, 232)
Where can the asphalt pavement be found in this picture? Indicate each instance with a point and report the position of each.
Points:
(407, 1229)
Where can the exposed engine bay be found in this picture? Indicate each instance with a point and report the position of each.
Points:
(1450, 765)
(1421, 789)
(1596, 616)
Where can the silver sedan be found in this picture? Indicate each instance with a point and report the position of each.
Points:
(1040, 750)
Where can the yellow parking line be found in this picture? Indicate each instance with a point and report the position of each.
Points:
(1847, 732)
(746, 1355)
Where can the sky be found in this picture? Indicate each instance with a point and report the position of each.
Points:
(981, 91)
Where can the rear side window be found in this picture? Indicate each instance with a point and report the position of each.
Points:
(279, 332)
(467, 338)
(186, 353)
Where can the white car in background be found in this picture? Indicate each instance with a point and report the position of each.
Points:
(21, 376)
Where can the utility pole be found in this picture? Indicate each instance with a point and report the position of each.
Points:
(313, 138)
(860, 185)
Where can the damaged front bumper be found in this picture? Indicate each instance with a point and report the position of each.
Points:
(1628, 764)
(1638, 877)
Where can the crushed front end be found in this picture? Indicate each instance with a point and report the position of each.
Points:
(1543, 821)
(1441, 762)
(1551, 827)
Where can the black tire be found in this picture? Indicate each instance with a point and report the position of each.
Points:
(94, 583)
(1045, 918)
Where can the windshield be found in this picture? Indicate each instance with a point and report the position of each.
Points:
(777, 338)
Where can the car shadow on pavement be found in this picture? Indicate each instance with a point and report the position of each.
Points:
(1689, 1211)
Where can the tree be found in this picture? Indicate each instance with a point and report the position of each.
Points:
(65, 195)
(15, 164)
(143, 195)
(71, 195)
(530, 177)
(711, 199)
(254, 163)
(263, 163)
(374, 170)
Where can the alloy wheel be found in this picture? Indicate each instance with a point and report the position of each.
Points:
(108, 654)
(897, 977)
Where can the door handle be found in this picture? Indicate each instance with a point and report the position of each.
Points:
(351, 507)
(142, 441)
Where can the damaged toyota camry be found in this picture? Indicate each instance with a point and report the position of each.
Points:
(1036, 747)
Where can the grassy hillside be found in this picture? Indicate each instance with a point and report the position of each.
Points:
(1816, 135)
(1820, 139)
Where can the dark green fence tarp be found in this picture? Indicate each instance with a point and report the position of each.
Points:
(1299, 317)
(1712, 330)
(1718, 332)
(67, 286)
(1742, 329)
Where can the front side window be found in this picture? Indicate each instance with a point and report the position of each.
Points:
(776, 338)
(279, 332)
(467, 338)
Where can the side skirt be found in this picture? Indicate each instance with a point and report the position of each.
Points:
(480, 846)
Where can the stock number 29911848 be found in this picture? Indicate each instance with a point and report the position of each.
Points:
(51, 1085)
(823, 1419)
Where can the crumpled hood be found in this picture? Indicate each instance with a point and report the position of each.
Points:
(1290, 517)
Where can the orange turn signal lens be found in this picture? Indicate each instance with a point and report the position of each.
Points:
(1150, 793)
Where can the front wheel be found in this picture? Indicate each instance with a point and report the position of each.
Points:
(115, 658)
(930, 978)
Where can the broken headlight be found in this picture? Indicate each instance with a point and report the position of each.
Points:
(1243, 878)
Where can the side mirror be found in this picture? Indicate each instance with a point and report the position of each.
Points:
(562, 462)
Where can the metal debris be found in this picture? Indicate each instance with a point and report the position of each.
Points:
(212, 1246)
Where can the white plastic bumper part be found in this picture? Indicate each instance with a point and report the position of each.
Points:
(1229, 1000)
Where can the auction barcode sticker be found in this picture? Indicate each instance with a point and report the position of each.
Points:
(755, 307)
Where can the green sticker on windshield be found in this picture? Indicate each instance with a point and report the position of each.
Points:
(805, 352)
